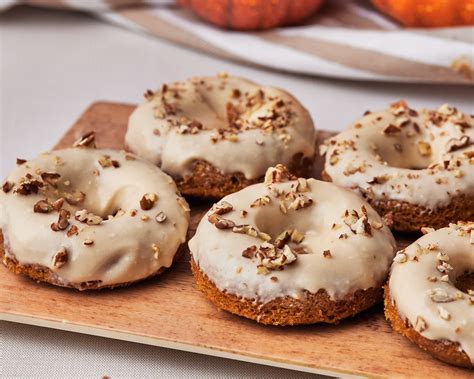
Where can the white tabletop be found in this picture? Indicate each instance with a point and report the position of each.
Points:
(52, 66)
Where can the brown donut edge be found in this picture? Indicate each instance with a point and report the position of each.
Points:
(444, 350)
(407, 217)
(206, 181)
(309, 309)
(40, 273)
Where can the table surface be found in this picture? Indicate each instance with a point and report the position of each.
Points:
(52, 65)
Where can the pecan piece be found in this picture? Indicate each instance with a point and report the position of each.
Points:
(42, 206)
(50, 178)
(148, 201)
(60, 258)
(456, 144)
(7, 187)
(160, 217)
(87, 140)
(28, 187)
(63, 221)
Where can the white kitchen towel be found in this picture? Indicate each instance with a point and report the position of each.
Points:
(345, 39)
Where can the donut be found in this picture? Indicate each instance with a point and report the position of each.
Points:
(292, 251)
(217, 135)
(415, 167)
(90, 218)
(429, 297)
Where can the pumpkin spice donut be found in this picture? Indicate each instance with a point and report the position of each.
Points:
(217, 135)
(88, 218)
(429, 297)
(292, 251)
(416, 168)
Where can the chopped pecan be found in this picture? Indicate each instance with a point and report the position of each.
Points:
(87, 140)
(88, 218)
(457, 143)
(50, 178)
(160, 217)
(28, 187)
(148, 201)
(60, 258)
(42, 206)
(222, 223)
(58, 204)
(424, 148)
(72, 231)
(7, 187)
(63, 221)
(392, 129)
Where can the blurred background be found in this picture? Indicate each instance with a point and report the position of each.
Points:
(339, 58)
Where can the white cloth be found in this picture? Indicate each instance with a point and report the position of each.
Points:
(345, 39)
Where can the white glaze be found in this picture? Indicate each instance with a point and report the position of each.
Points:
(358, 262)
(205, 100)
(430, 188)
(412, 283)
(122, 247)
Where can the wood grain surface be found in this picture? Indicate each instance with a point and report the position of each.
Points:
(169, 311)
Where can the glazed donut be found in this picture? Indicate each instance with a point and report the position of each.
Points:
(216, 135)
(416, 168)
(428, 298)
(88, 218)
(292, 251)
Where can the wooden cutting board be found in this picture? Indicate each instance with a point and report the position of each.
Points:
(168, 311)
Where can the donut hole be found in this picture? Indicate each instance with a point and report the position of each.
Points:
(405, 155)
(465, 282)
(271, 221)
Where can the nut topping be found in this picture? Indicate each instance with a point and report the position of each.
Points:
(87, 140)
(88, 218)
(72, 231)
(148, 201)
(456, 144)
(42, 206)
(60, 258)
(7, 186)
(160, 217)
(50, 178)
(222, 223)
(106, 161)
(63, 221)
(392, 129)
(300, 201)
(220, 208)
(420, 324)
(424, 148)
(58, 204)
(278, 174)
(327, 254)
(28, 187)
(88, 242)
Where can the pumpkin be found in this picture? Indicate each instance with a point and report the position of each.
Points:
(252, 14)
(428, 13)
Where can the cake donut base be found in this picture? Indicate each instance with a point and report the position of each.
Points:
(412, 217)
(41, 273)
(206, 181)
(444, 350)
(310, 309)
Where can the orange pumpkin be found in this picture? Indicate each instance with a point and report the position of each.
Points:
(252, 14)
(428, 13)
